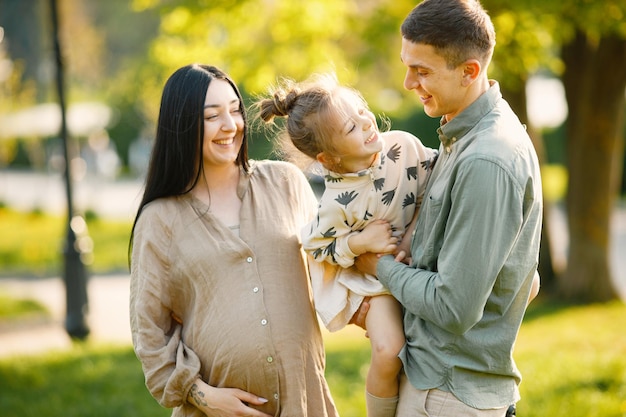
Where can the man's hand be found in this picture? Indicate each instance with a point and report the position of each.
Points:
(401, 256)
(359, 317)
(367, 262)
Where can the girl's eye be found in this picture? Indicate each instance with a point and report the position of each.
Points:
(210, 117)
(352, 128)
(236, 110)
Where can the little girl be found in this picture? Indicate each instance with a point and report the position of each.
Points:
(373, 181)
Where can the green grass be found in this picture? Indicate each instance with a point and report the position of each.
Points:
(573, 359)
(347, 362)
(33, 243)
(13, 310)
(94, 381)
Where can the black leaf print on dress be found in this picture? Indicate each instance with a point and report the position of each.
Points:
(367, 215)
(317, 253)
(388, 196)
(330, 250)
(411, 172)
(346, 198)
(329, 233)
(330, 178)
(379, 183)
(348, 225)
(408, 200)
(429, 164)
(394, 152)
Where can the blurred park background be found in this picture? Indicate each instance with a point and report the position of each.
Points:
(561, 65)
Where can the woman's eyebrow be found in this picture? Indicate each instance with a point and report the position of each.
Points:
(236, 101)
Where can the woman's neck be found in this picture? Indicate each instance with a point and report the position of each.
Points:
(220, 179)
(218, 190)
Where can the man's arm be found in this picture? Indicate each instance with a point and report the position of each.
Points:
(483, 218)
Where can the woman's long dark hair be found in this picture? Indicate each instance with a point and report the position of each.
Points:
(176, 162)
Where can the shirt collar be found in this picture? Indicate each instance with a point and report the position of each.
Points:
(452, 131)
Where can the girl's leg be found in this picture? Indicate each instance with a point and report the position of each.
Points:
(384, 327)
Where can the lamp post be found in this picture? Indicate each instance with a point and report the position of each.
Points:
(75, 275)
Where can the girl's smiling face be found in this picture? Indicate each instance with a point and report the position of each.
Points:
(357, 140)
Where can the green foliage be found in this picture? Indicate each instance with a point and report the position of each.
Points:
(554, 181)
(524, 46)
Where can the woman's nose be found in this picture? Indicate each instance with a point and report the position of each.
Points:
(229, 123)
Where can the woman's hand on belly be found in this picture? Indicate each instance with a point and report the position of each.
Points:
(224, 402)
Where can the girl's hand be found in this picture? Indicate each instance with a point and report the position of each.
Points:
(224, 402)
(375, 238)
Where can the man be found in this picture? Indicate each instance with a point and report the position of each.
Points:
(476, 247)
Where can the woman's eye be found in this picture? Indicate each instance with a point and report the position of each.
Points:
(351, 129)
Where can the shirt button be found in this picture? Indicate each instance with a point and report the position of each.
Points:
(263, 322)
(255, 289)
(276, 396)
(270, 359)
(249, 259)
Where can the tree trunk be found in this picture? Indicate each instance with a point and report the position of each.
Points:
(518, 101)
(594, 82)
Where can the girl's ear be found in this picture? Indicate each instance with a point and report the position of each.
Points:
(322, 158)
(328, 161)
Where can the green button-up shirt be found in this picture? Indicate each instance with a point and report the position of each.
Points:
(475, 251)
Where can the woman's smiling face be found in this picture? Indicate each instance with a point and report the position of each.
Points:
(223, 124)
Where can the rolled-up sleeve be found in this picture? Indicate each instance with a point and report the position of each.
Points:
(170, 367)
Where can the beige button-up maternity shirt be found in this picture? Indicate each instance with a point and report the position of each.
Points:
(244, 302)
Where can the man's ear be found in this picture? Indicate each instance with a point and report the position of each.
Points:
(471, 71)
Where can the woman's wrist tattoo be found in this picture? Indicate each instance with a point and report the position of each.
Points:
(197, 395)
